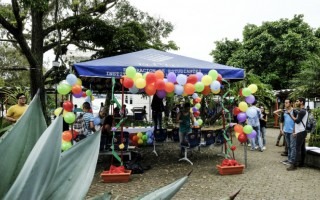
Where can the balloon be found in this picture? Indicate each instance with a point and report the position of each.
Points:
(169, 87)
(199, 86)
(76, 89)
(237, 134)
(144, 137)
(145, 75)
(65, 146)
(241, 117)
(243, 106)
(238, 128)
(68, 106)
(88, 92)
(84, 94)
(161, 94)
(140, 141)
(200, 122)
(178, 89)
(189, 88)
(75, 134)
(139, 135)
(195, 95)
(63, 88)
(246, 92)
(215, 85)
(97, 121)
(206, 80)
(247, 129)
(71, 79)
(150, 78)
(134, 89)
(79, 81)
(214, 74)
(160, 84)
(206, 90)
(252, 135)
(57, 111)
(253, 88)
(172, 77)
(69, 117)
(181, 79)
(127, 82)
(170, 94)
(150, 89)
(67, 136)
(236, 111)
(159, 74)
(131, 72)
(192, 79)
(198, 106)
(196, 114)
(250, 99)
(242, 138)
(138, 75)
(215, 91)
(140, 83)
(219, 78)
(121, 146)
(194, 109)
(199, 76)
(135, 138)
(149, 141)
(251, 112)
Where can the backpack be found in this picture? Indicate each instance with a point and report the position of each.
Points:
(310, 122)
(79, 125)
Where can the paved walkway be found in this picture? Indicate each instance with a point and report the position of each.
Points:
(264, 178)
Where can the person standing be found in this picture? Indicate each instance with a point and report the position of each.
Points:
(255, 123)
(88, 119)
(300, 134)
(16, 111)
(157, 109)
(263, 126)
(144, 114)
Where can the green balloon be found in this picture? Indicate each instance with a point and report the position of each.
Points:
(88, 92)
(199, 86)
(69, 117)
(144, 137)
(65, 146)
(64, 88)
(200, 122)
(247, 129)
(198, 106)
(131, 72)
(214, 74)
(171, 94)
(246, 92)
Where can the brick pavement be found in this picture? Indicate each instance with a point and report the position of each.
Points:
(264, 178)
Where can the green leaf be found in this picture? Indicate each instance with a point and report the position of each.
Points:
(17, 143)
(76, 170)
(40, 166)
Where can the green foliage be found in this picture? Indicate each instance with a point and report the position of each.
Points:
(274, 51)
(314, 139)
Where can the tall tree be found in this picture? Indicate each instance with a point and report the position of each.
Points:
(274, 50)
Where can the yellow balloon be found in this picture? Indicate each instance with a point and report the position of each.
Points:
(92, 98)
(57, 111)
(121, 146)
(215, 91)
(139, 135)
(253, 88)
(140, 83)
(140, 141)
(138, 75)
(64, 113)
(79, 81)
(237, 134)
(243, 106)
(206, 80)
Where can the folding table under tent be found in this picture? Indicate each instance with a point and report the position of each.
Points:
(150, 60)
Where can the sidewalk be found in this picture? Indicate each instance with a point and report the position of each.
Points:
(265, 177)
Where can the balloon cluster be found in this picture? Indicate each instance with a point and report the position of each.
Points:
(195, 110)
(74, 85)
(142, 138)
(67, 136)
(242, 111)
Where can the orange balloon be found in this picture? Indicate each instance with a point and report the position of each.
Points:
(238, 128)
(159, 74)
(150, 89)
(135, 138)
(206, 90)
(189, 88)
(169, 87)
(67, 136)
(122, 78)
(76, 89)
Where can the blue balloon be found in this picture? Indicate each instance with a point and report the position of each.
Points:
(71, 79)
(97, 121)
(178, 89)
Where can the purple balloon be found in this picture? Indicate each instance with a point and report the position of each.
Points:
(79, 95)
(250, 99)
(172, 77)
(242, 117)
(199, 75)
(161, 94)
(252, 135)
(194, 109)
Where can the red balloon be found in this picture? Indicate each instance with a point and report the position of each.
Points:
(233, 148)
(75, 134)
(67, 136)
(219, 78)
(150, 89)
(150, 78)
(84, 94)
(196, 114)
(192, 79)
(206, 90)
(68, 106)
(135, 138)
(76, 89)
(236, 111)
(160, 84)
(128, 82)
(242, 138)
(240, 92)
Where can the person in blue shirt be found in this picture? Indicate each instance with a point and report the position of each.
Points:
(88, 118)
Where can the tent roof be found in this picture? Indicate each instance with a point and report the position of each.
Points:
(151, 60)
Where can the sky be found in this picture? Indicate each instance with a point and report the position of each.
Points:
(198, 24)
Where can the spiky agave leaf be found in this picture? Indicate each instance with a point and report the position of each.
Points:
(76, 170)
(17, 143)
(40, 166)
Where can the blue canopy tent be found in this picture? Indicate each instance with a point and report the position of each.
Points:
(150, 60)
